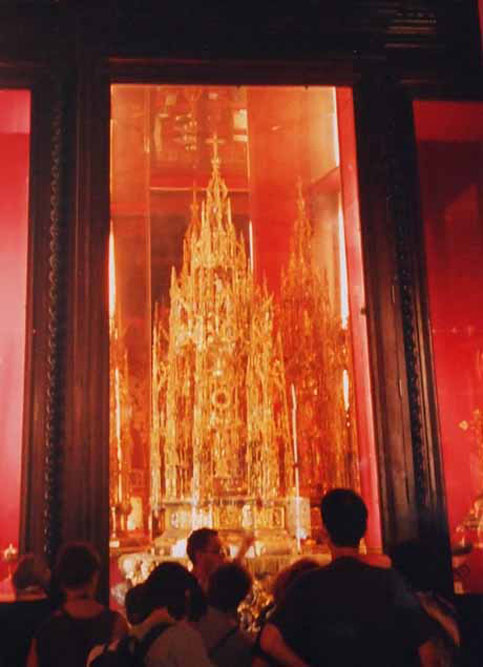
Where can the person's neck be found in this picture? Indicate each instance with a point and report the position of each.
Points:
(81, 600)
(77, 596)
(343, 552)
(201, 576)
(81, 606)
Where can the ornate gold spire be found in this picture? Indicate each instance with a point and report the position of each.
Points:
(224, 404)
(316, 352)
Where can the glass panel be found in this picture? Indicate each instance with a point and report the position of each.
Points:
(14, 175)
(239, 365)
(450, 151)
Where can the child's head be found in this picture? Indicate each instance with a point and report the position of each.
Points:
(77, 569)
(228, 587)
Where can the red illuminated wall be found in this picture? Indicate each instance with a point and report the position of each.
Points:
(14, 172)
(450, 153)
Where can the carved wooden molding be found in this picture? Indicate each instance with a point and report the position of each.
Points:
(402, 214)
(410, 473)
(54, 406)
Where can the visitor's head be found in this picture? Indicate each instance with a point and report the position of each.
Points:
(228, 586)
(344, 515)
(31, 576)
(205, 550)
(77, 569)
(169, 587)
(288, 575)
(135, 604)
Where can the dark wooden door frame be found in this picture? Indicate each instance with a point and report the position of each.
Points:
(411, 480)
(408, 464)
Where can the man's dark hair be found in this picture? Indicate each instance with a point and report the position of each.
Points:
(228, 586)
(76, 565)
(344, 514)
(198, 541)
(169, 586)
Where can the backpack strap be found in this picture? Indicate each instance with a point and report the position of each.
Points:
(148, 640)
(222, 641)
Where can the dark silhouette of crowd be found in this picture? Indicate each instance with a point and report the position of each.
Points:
(348, 613)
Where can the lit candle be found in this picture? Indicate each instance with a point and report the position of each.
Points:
(296, 467)
(344, 288)
(345, 388)
(252, 251)
(112, 279)
(117, 389)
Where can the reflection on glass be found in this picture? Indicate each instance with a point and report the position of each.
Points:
(237, 350)
(450, 152)
(14, 181)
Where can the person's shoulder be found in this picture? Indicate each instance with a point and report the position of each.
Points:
(379, 570)
(376, 559)
(384, 578)
(51, 624)
(181, 640)
(359, 570)
(180, 632)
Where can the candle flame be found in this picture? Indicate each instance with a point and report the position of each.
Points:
(252, 249)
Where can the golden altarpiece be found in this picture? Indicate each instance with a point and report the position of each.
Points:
(248, 412)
